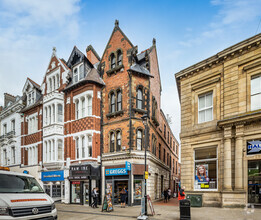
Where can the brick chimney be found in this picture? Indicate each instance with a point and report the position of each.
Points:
(8, 98)
(92, 55)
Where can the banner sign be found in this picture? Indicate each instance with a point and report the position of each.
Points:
(53, 176)
(128, 165)
(253, 147)
(116, 171)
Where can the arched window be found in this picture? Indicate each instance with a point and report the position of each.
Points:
(118, 141)
(89, 105)
(60, 150)
(60, 113)
(89, 146)
(112, 142)
(119, 101)
(77, 148)
(113, 61)
(139, 139)
(81, 71)
(77, 109)
(112, 102)
(75, 75)
(139, 99)
(119, 58)
(83, 147)
(83, 107)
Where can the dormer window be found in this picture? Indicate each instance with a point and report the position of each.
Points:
(119, 58)
(31, 98)
(113, 61)
(81, 71)
(75, 75)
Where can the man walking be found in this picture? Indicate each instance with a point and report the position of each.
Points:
(95, 195)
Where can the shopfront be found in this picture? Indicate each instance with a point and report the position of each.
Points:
(83, 178)
(53, 183)
(254, 173)
(128, 176)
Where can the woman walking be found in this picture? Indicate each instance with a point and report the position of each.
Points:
(165, 195)
(123, 194)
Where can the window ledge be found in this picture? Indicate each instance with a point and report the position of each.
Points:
(114, 70)
(142, 111)
(114, 114)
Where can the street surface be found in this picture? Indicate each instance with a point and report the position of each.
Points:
(163, 211)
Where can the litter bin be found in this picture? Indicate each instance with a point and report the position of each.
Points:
(184, 207)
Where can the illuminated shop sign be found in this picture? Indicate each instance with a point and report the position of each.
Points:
(253, 147)
(53, 176)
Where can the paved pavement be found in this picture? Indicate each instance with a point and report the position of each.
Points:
(163, 211)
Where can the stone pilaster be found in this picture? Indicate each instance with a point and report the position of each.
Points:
(227, 159)
(239, 158)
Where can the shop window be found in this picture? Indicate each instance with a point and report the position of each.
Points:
(112, 141)
(118, 141)
(205, 107)
(76, 192)
(139, 99)
(138, 192)
(256, 93)
(205, 169)
(139, 139)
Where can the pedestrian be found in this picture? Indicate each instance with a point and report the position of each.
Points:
(165, 195)
(123, 194)
(169, 194)
(182, 194)
(95, 198)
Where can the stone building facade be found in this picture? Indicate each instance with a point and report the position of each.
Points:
(132, 89)
(220, 126)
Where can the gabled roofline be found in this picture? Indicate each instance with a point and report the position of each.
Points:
(116, 28)
(90, 47)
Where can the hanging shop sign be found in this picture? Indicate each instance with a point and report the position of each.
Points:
(116, 171)
(128, 165)
(253, 147)
(53, 176)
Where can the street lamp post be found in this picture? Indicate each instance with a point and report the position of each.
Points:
(145, 122)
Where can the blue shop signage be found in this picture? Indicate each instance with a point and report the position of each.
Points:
(53, 175)
(253, 147)
(119, 171)
(116, 172)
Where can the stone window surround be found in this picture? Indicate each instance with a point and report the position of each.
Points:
(88, 145)
(255, 71)
(117, 111)
(88, 108)
(50, 149)
(142, 138)
(32, 153)
(8, 154)
(205, 108)
(204, 146)
(53, 80)
(196, 92)
(32, 122)
(51, 114)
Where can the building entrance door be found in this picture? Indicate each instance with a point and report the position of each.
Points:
(254, 182)
(118, 186)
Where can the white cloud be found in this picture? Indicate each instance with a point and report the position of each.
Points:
(28, 30)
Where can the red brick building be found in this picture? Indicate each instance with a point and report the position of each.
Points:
(133, 88)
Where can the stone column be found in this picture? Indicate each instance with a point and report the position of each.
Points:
(239, 158)
(227, 159)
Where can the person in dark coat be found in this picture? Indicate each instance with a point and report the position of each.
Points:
(123, 194)
(165, 195)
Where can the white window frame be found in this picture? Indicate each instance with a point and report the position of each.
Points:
(89, 145)
(204, 160)
(255, 94)
(206, 108)
(13, 155)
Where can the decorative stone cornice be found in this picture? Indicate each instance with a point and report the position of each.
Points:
(219, 58)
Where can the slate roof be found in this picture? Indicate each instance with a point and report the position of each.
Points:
(34, 83)
(139, 69)
(37, 102)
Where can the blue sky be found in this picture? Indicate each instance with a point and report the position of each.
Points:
(186, 32)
